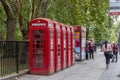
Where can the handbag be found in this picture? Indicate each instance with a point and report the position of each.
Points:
(110, 55)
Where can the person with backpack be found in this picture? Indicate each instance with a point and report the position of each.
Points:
(106, 48)
(115, 51)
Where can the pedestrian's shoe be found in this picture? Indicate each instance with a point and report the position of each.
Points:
(112, 61)
(107, 66)
(118, 75)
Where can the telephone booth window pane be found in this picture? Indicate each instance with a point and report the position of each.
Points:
(58, 37)
(58, 50)
(36, 36)
(36, 41)
(64, 40)
(52, 57)
(51, 31)
(52, 47)
(39, 41)
(39, 36)
(38, 32)
(52, 34)
(42, 36)
(42, 40)
(37, 60)
(39, 55)
(39, 65)
(38, 46)
(64, 36)
(52, 39)
(58, 34)
(39, 51)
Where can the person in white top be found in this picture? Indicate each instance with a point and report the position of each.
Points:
(106, 48)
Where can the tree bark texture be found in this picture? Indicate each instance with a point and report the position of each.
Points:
(87, 32)
(24, 30)
(44, 8)
(10, 22)
(11, 25)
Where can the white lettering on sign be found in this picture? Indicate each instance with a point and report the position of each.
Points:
(57, 26)
(39, 24)
(50, 25)
(63, 27)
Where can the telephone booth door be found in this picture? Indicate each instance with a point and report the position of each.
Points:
(63, 46)
(68, 46)
(41, 46)
(57, 44)
(72, 45)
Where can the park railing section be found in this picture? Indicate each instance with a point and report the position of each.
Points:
(14, 57)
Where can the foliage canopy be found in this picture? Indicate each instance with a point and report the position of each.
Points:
(88, 13)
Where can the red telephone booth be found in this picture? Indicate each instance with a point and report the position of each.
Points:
(63, 46)
(80, 42)
(68, 60)
(41, 46)
(72, 45)
(57, 45)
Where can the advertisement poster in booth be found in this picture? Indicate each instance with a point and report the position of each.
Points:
(80, 42)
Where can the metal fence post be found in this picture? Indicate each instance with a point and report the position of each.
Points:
(17, 56)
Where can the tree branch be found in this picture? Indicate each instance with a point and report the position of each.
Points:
(37, 8)
(6, 7)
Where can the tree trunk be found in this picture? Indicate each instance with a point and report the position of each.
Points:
(44, 8)
(11, 25)
(25, 34)
(1, 35)
(11, 21)
(24, 31)
(87, 33)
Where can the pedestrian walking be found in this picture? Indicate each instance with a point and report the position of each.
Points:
(87, 49)
(91, 49)
(106, 48)
(115, 51)
(119, 47)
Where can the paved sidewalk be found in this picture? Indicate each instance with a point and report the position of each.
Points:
(112, 72)
(85, 70)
